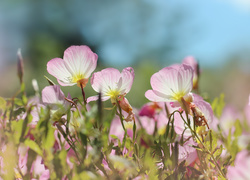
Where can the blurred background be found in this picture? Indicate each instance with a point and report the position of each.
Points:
(147, 35)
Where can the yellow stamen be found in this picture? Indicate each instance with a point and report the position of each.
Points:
(113, 94)
(177, 96)
(80, 80)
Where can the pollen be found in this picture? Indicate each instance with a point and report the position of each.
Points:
(77, 77)
(113, 94)
(177, 96)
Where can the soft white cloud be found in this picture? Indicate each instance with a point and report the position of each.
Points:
(244, 5)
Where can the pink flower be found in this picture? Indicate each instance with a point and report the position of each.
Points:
(75, 68)
(228, 117)
(153, 115)
(202, 115)
(114, 85)
(150, 109)
(171, 84)
(190, 60)
(241, 167)
(117, 130)
(187, 152)
(54, 97)
(247, 112)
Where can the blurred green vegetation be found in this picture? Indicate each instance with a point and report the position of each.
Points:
(230, 80)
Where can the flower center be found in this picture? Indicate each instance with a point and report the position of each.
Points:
(177, 96)
(77, 77)
(80, 80)
(113, 94)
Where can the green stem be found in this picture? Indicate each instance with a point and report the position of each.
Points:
(69, 142)
(120, 114)
(207, 150)
(84, 98)
(197, 137)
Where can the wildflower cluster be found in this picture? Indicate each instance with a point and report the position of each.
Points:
(177, 135)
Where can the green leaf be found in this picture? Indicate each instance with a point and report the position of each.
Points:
(49, 139)
(16, 127)
(218, 152)
(238, 128)
(34, 146)
(213, 137)
(114, 136)
(18, 102)
(2, 103)
(50, 81)
(22, 87)
(134, 131)
(197, 148)
(25, 126)
(218, 105)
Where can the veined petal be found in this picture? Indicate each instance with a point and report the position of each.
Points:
(53, 95)
(106, 80)
(126, 81)
(165, 81)
(57, 68)
(156, 96)
(206, 109)
(185, 78)
(80, 60)
(190, 60)
(174, 81)
(94, 98)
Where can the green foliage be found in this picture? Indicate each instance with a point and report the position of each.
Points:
(218, 105)
(78, 142)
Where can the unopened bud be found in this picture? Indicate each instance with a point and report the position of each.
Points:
(35, 86)
(20, 65)
(125, 106)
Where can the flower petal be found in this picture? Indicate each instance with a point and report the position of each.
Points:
(105, 80)
(156, 96)
(165, 81)
(80, 60)
(190, 60)
(95, 98)
(53, 95)
(206, 109)
(127, 78)
(185, 78)
(174, 81)
(57, 68)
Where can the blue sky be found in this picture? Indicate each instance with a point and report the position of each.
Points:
(210, 30)
(225, 27)
(214, 29)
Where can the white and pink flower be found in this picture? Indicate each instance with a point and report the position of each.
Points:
(171, 84)
(54, 97)
(114, 85)
(202, 115)
(76, 66)
(190, 60)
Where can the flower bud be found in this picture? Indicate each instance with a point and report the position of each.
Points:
(20, 65)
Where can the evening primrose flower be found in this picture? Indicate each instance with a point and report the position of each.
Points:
(202, 116)
(114, 85)
(171, 84)
(190, 60)
(75, 68)
(54, 97)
